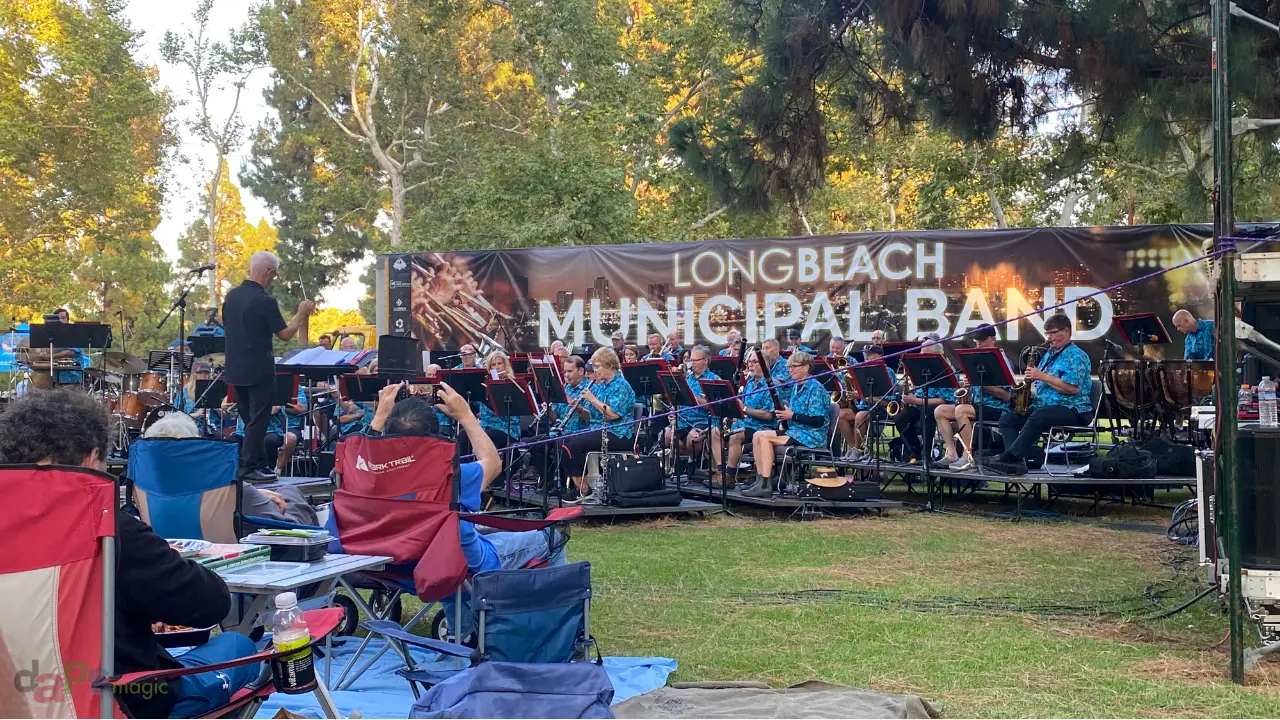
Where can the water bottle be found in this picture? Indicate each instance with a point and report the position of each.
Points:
(1267, 402)
(1244, 397)
(294, 672)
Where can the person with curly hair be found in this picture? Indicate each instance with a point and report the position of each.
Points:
(154, 584)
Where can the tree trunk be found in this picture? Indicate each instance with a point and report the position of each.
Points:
(1067, 214)
(398, 192)
(996, 209)
(212, 222)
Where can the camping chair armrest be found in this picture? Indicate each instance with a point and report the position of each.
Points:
(511, 524)
(391, 629)
(320, 623)
(274, 524)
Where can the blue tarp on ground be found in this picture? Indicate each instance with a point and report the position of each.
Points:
(381, 693)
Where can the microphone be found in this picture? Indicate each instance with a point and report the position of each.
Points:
(199, 270)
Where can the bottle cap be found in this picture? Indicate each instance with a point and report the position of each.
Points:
(286, 601)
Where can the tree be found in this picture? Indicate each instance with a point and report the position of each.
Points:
(215, 68)
(83, 141)
(235, 241)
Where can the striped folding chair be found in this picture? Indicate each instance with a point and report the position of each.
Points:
(57, 591)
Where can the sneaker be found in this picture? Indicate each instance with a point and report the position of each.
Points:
(964, 463)
(588, 499)
(851, 455)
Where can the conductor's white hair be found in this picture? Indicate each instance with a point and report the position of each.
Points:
(176, 425)
(262, 261)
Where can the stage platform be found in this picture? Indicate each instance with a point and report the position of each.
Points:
(803, 506)
(1060, 483)
(686, 506)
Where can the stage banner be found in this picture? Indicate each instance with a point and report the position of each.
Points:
(905, 283)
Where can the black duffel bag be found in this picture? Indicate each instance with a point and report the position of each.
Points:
(638, 482)
(1124, 462)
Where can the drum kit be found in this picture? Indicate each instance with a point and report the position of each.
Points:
(1148, 393)
(136, 396)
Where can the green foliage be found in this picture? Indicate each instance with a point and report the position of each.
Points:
(83, 137)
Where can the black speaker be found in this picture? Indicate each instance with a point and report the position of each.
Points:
(1259, 483)
(399, 357)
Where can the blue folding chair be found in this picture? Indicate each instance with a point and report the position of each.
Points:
(538, 616)
(189, 488)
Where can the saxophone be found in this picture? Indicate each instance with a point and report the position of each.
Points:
(964, 395)
(1023, 392)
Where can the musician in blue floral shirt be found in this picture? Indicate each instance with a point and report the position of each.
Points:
(994, 400)
(502, 430)
(692, 423)
(808, 418)
(610, 402)
(1200, 341)
(757, 405)
(922, 402)
(1061, 396)
(777, 368)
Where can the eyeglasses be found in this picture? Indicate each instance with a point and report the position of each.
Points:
(1059, 331)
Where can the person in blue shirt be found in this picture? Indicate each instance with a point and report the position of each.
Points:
(674, 348)
(67, 377)
(502, 430)
(692, 423)
(758, 408)
(210, 421)
(1200, 337)
(732, 344)
(1061, 396)
(210, 327)
(808, 418)
(772, 352)
(995, 402)
(855, 421)
(794, 345)
(493, 551)
(658, 351)
(922, 402)
(610, 403)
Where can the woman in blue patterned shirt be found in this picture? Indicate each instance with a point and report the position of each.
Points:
(808, 417)
(610, 400)
(758, 408)
(502, 430)
(1061, 395)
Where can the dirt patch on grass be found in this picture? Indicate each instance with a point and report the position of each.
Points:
(1207, 669)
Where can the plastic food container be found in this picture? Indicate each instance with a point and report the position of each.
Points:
(185, 638)
(296, 546)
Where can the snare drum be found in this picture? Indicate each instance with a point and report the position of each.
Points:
(1120, 379)
(1184, 383)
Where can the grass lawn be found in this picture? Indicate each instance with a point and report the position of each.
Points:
(982, 617)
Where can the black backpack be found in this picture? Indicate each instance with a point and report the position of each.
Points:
(1124, 462)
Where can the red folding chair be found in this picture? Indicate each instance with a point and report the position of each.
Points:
(57, 602)
(397, 497)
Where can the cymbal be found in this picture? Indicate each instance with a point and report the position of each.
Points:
(152, 399)
(219, 359)
(107, 375)
(123, 363)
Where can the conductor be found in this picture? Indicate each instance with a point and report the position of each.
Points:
(251, 316)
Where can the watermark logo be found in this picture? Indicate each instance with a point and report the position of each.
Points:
(54, 687)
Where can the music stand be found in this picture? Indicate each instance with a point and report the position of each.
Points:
(979, 364)
(676, 390)
(909, 346)
(873, 380)
(361, 388)
(510, 399)
(55, 335)
(284, 393)
(855, 357)
(209, 395)
(928, 370)
(204, 345)
(726, 406)
(1141, 330)
(546, 379)
(723, 366)
(820, 370)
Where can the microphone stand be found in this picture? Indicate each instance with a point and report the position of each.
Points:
(181, 306)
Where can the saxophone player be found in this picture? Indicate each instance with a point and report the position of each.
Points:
(922, 401)
(758, 408)
(1060, 396)
(691, 424)
(855, 421)
(994, 400)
